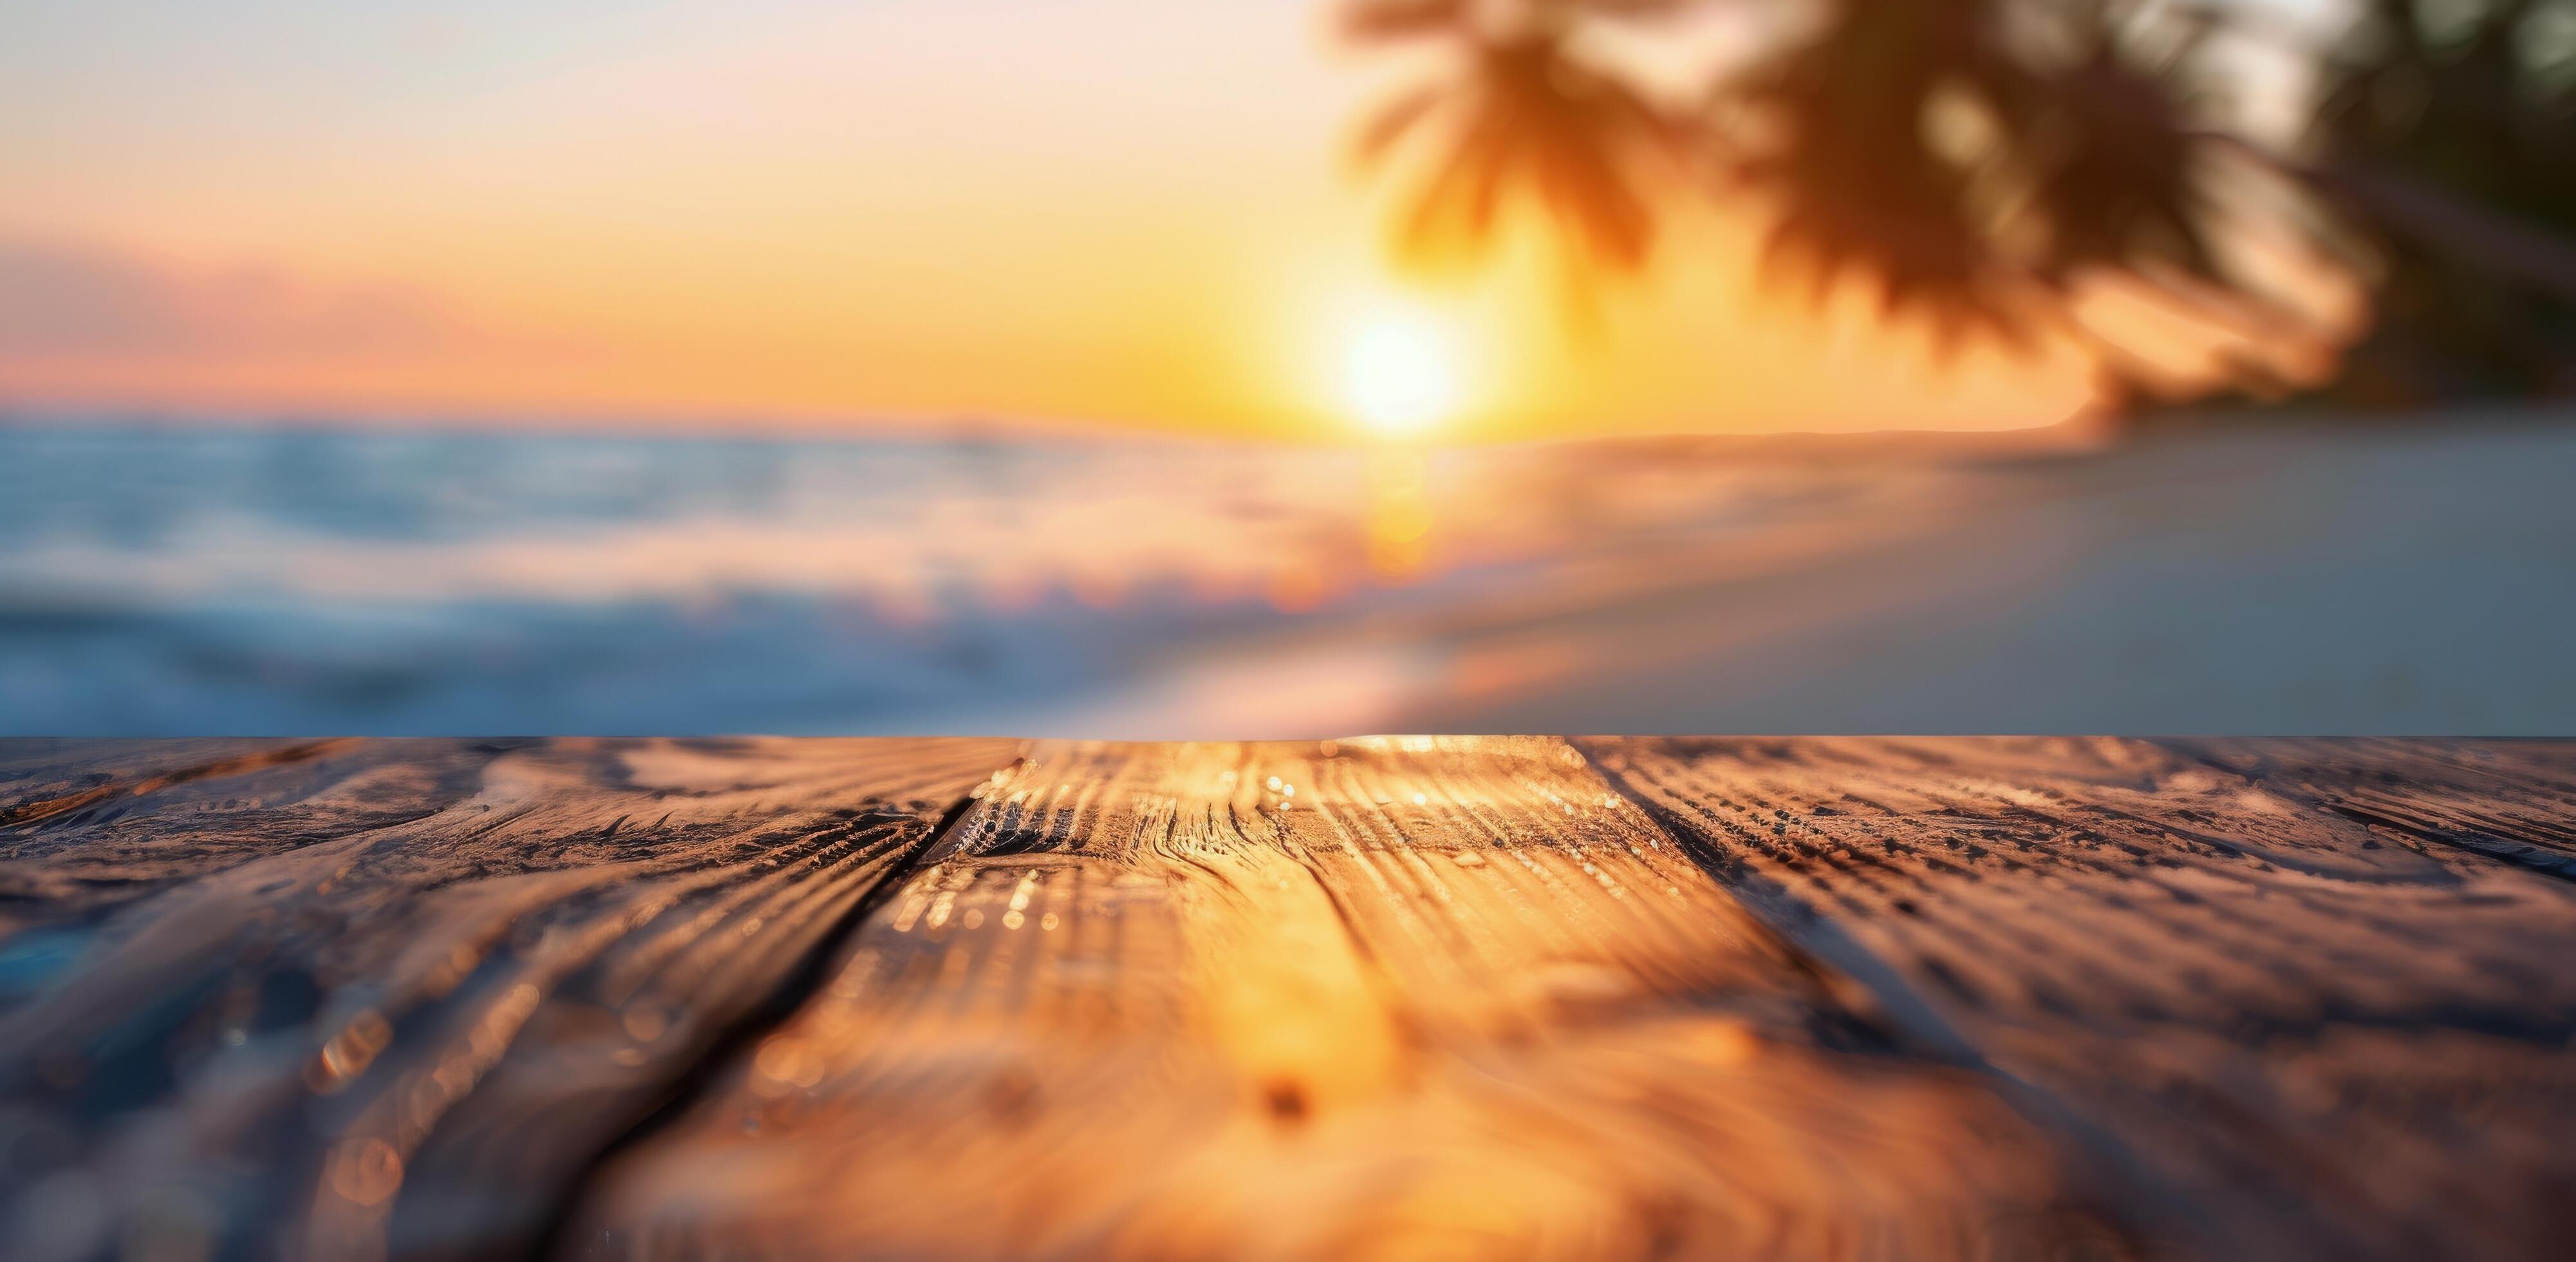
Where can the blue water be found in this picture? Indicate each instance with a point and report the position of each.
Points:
(189, 579)
(198, 579)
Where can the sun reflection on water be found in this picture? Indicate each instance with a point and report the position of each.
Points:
(1399, 514)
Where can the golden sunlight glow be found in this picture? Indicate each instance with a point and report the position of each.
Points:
(1399, 373)
(686, 218)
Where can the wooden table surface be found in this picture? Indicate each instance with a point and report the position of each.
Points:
(1382, 998)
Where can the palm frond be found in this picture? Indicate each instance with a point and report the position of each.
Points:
(1528, 119)
(2118, 174)
(1383, 21)
(1393, 122)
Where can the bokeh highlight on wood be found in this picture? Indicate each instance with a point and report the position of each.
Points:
(1380, 997)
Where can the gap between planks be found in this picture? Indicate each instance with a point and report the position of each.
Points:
(1652, 996)
(394, 996)
(1383, 998)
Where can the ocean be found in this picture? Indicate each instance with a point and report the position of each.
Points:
(196, 578)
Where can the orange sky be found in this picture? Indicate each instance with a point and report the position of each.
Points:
(1130, 212)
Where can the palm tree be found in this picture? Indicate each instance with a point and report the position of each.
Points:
(1984, 164)
(2416, 114)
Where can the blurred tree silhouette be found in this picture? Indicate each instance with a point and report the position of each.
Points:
(1985, 166)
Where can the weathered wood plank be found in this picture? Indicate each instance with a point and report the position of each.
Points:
(2315, 1037)
(2514, 800)
(43, 778)
(1375, 999)
(88, 825)
(340, 999)
(1459, 996)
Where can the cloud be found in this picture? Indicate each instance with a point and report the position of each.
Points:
(79, 302)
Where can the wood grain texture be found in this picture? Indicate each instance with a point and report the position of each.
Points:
(60, 858)
(1452, 997)
(2307, 1036)
(2513, 800)
(339, 999)
(1396, 999)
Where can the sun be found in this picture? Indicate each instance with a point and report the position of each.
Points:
(1399, 373)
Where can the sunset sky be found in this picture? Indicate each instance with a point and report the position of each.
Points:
(1131, 212)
